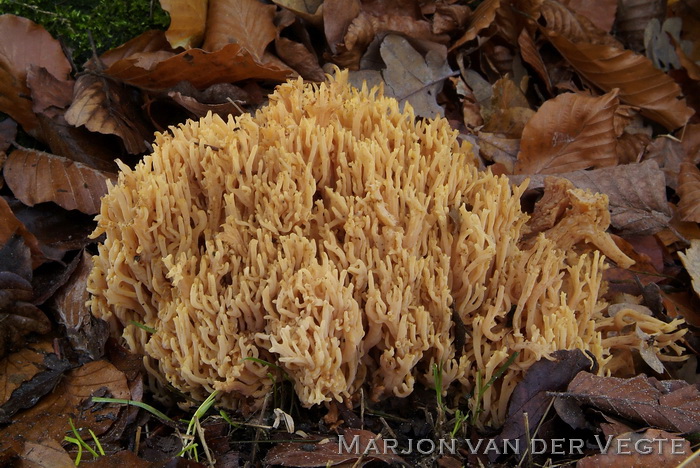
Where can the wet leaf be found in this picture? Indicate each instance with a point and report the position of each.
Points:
(248, 23)
(70, 399)
(568, 133)
(160, 70)
(37, 177)
(480, 19)
(651, 448)
(187, 22)
(671, 405)
(689, 191)
(23, 44)
(636, 194)
(691, 262)
(104, 106)
(22, 366)
(639, 83)
(531, 394)
(328, 453)
(45, 453)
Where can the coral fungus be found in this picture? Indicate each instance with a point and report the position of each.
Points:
(338, 237)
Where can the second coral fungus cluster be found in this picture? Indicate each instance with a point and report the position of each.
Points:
(337, 237)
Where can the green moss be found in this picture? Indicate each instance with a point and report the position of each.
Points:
(111, 22)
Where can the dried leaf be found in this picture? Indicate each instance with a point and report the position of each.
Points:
(657, 43)
(691, 262)
(187, 22)
(8, 131)
(70, 399)
(22, 44)
(337, 16)
(148, 42)
(358, 442)
(531, 394)
(568, 133)
(49, 94)
(649, 449)
(530, 54)
(22, 366)
(161, 70)
(601, 13)
(669, 405)
(11, 230)
(248, 23)
(689, 191)
(632, 18)
(481, 19)
(301, 59)
(630, 148)
(577, 28)
(499, 148)
(636, 195)
(310, 10)
(448, 18)
(18, 316)
(38, 177)
(104, 106)
(45, 453)
(639, 83)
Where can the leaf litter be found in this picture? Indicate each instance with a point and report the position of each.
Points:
(599, 94)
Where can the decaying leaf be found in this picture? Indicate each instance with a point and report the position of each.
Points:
(248, 23)
(18, 316)
(310, 10)
(300, 58)
(45, 453)
(632, 18)
(23, 43)
(104, 106)
(568, 133)
(70, 399)
(639, 83)
(651, 448)
(671, 405)
(326, 453)
(13, 231)
(49, 94)
(636, 195)
(689, 191)
(37, 177)
(187, 22)
(601, 13)
(691, 262)
(21, 366)
(480, 19)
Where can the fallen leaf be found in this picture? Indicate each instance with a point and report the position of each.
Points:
(657, 43)
(672, 405)
(530, 54)
(18, 316)
(104, 106)
(37, 177)
(45, 453)
(631, 147)
(651, 448)
(601, 13)
(568, 133)
(48, 419)
(187, 22)
(22, 366)
(148, 42)
(8, 131)
(310, 10)
(689, 191)
(639, 83)
(480, 19)
(632, 18)
(301, 59)
(24, 43)
(575, 27)
(636, 195)
(337, 16)
(691, 262)
(161, 70)
(248, 23)
(499, 148)
(11, 230)
(49, 94)
(354, 443)
(130, 459)
(531, 394)
(449, 18)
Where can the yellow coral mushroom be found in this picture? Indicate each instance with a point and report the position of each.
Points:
(335, 236)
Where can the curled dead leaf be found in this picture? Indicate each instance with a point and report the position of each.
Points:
(38, 177)
(689, 191)
(480, 19)
(248, 23)
(568, 133)
(691, 262)
(187, 22)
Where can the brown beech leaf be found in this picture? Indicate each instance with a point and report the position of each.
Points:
(481, 18)
(530, 54)
(22, 366)
(49, 94)
(636, 195)
(601, 13)
(632, 18)
(160, 70)
(18, 316)
(8, 132)
(689, 191)
(45, 453)
(691, 262)
(649, 449)
(671, 405)
(574, 26)
(13, 230)
(24, 43)
(104, 106)
(187, 22)
(70, 399)
(568, 133)
(639, 83)
(499, 149)
(337, 16)
(301, 59)
(310, 10)
(248, 23)
(148, 42)
(328, 454)
(37, 177)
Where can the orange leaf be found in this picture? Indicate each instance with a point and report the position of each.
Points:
(640, 84)
(187, 22)
(689, 191)
(159, 70)
(529, 53)
(248, 23)
(22, 44)
(482, 18)
(568, 133)
(37, 177)
(104, 106)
